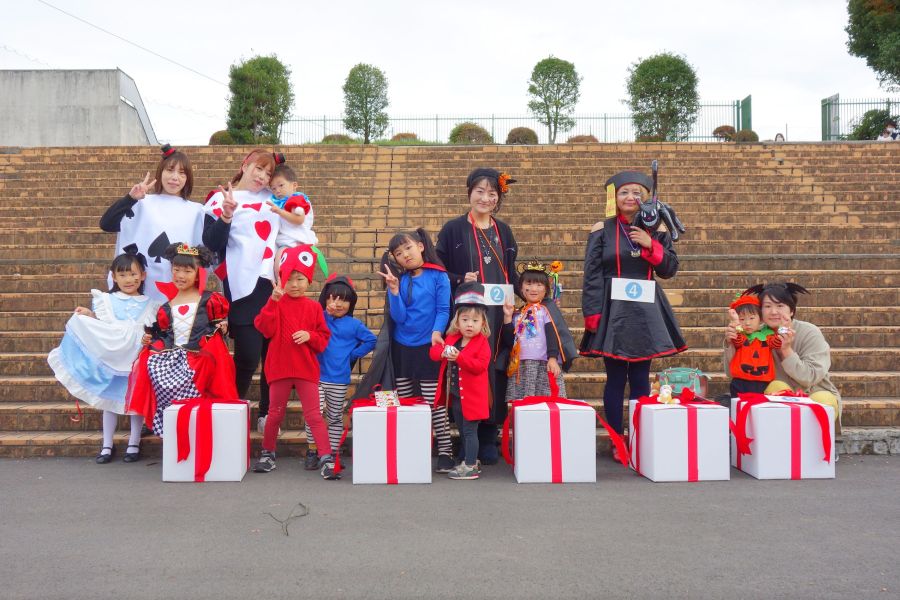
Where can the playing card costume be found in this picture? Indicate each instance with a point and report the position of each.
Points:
(187, 357)
(152, 224)
(246, 249)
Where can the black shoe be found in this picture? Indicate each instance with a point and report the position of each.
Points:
(444, 463)
(311, 462)
(266, 462)
(131, 457)
(489, 454)
(103, 459)
(327, 468)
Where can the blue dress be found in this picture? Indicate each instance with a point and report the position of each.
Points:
(94, 359)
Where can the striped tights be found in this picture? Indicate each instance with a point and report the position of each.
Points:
(440, 422)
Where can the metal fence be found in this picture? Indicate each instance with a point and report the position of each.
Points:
(606, 127)
(840, 117)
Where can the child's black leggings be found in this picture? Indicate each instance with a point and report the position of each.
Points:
(618, 373)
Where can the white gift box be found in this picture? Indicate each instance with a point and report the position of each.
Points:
(229, 439)
(776, 453)
(665, 449)
(533, 454)
(411, 460)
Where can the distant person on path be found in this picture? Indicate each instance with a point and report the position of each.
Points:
(890, 133)
(481, 248)
(627, 318)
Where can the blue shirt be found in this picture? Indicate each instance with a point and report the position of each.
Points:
(349, 340)
(428, 310)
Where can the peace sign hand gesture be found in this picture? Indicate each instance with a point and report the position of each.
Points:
(139, 190)
(390, 280)
(229, 204)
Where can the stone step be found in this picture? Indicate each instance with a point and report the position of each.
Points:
(563, 250)
(861, 234)
(588, 385)
(780, 265)
(293, 443)
(851, 337)
(823, 316)
(705, 359)
(688, 280)
(64, 416)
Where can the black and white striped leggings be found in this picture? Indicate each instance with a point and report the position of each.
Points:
(440, 422)
(331, 401)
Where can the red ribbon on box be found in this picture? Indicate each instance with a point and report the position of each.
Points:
(689, 401)
(743, 441)
(203, 432)
(553, 401)
(390, 434)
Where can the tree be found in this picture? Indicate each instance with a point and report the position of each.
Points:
(874, 30)
(553, 88)
(662, 95)
(261, 98)
(365, 98)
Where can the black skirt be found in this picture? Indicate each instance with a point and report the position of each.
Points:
(413, 362)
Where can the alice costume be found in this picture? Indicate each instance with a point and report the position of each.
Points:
(95, 357)
(187, 358)
(289, 235)
(152, 224)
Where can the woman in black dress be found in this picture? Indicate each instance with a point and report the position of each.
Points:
(478, 247)
(627, 319)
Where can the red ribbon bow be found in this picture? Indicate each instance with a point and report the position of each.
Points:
(553, 401)
(203, 432)
(748, 401)
(391, 434)
(689, 400)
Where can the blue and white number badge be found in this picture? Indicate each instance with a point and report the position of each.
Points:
(496, 294)
(633, 290)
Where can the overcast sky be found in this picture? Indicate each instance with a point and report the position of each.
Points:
(450, 58)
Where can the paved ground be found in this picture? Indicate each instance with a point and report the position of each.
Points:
(72, 529)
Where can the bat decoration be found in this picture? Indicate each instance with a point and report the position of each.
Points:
(653, 212)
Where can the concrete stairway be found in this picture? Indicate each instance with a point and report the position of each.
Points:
(823, 215)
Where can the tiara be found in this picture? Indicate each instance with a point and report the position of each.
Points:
(187, 250)
(535, 266)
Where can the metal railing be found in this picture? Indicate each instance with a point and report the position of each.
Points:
(606, 127)
(840, 117)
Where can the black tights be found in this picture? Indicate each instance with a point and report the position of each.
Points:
(249, 347)
(618, 373)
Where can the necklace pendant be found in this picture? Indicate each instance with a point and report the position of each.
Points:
(487, 260)
(636, 253)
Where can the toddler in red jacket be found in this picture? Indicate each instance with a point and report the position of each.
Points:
(296, 330)
(463, 381)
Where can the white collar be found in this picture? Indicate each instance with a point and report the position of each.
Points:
(123, 296)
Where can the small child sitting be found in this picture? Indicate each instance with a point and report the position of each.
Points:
(293, 208)
(753, 367)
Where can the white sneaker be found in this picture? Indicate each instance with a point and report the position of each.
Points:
(261, 424)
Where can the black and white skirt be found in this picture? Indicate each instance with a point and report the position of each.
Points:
(172, 379)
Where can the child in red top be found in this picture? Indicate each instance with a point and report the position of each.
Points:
(463, 382)
(296, 330)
